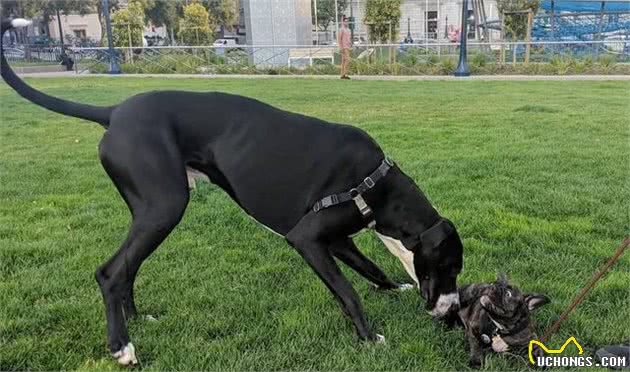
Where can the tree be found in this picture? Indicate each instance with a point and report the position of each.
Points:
(128, 25)
(197, 26)
(383, 19)
(113, 5)
(12, 8)
(326, 12)
(516, 23)
(225, 12)
(165, 13)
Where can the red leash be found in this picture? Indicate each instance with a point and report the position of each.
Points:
(551, 330)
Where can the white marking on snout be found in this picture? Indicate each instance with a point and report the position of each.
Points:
(405, 256)
(444, 303)
(126, 356)
(20, 22)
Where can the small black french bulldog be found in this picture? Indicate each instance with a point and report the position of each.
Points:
(497, 316)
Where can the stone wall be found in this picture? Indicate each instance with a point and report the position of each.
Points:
(279, 23)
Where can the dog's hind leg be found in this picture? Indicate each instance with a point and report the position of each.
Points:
(150, 175)
(346, 251)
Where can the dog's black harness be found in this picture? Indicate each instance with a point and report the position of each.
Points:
(355, 193)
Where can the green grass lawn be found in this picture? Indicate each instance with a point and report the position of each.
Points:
(534, 174)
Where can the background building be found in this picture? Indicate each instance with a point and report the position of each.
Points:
(78, 26)
(428, 19)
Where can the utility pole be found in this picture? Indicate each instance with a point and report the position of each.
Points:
(114, 68)
(63, 49)
(462, 67)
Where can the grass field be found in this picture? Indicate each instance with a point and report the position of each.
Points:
(534, 174)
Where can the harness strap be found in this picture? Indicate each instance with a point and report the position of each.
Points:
(355, 193)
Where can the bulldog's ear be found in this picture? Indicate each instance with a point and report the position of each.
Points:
(436, 234)
(535, 300)
(502, 278)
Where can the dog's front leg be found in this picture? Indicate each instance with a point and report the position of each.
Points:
(348, 253)
(476, 350)
(307, 238)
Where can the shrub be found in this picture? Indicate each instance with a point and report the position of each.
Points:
(561, 65)
(208, 62)
(606, 61)
(433, 59)
(447, 66)
(479, 59)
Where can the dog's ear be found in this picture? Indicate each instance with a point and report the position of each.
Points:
(436, 234)
(502, 278)
(535, 300)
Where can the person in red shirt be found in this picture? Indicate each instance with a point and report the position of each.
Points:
(345, 45)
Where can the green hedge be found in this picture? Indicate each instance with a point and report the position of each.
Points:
(407, 64)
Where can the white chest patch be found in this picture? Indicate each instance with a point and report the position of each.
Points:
(444, 304)
(405, 256)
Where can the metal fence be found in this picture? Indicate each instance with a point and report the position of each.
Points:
(33, 54)
(375, 59)
(425, 57)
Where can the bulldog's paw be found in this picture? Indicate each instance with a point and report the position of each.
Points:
(126, 356)
(474, 363)
(380, 339)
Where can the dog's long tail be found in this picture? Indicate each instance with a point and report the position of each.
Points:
(97, 114)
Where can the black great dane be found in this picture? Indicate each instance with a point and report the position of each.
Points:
(313, 182)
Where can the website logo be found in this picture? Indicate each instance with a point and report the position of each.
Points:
(554, 357)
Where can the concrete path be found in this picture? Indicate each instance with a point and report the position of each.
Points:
(332, 77)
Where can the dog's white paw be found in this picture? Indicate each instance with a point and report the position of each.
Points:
(150, 318)
(405, 287)
(380, 339)
(126, 356)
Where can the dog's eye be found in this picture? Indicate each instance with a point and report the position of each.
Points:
(508, 293)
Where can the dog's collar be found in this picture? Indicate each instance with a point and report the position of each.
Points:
(355, 193)
(500, 329)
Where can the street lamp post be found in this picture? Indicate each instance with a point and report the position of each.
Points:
(462, 67)
(114, 68)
